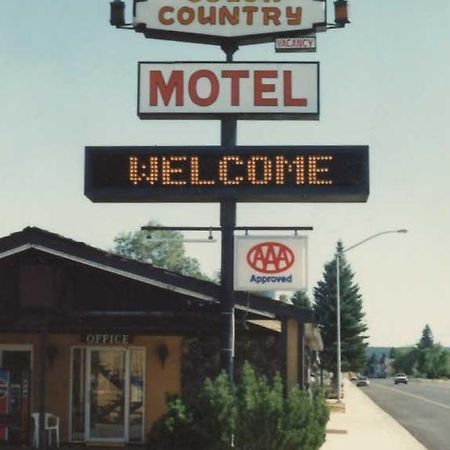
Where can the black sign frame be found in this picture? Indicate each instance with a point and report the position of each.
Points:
(103, 164)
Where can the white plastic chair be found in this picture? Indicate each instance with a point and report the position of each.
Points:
(51, 425)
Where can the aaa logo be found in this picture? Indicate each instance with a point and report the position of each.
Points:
(270, 257)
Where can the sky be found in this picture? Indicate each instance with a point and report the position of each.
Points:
(68, 79)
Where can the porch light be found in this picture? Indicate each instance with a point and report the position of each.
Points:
(163, 353)
(341, 12)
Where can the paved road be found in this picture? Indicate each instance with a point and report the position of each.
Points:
(423, 408)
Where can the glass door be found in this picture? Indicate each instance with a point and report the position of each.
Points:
(107, 394)
(107, 411)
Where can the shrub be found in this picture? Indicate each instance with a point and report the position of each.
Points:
(175, 429)
(260, 406)
(254, 414)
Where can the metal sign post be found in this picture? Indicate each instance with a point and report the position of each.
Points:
(228, 138)
(280, 91)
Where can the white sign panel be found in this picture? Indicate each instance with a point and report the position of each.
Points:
(229, 18)
(211, 89)
(265, 263)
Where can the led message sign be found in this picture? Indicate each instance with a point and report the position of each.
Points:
(248, 90)
(214, 21)
(214, 174)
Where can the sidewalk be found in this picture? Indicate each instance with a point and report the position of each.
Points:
(366, 426)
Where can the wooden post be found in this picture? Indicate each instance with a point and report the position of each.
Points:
(290, 342)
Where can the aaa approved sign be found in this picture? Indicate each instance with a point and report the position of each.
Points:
(264, 263)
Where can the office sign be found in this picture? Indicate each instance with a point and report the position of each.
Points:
(214, 174)
(296, 44)
(215, 21)
(264, 263)
(107, 339)
(247, 90)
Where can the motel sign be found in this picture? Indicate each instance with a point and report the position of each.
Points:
(243, 21)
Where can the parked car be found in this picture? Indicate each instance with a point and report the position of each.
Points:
(362, 381)
(401, 378)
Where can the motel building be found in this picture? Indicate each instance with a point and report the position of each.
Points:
(98, 340)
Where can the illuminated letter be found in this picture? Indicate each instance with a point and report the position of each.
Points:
(282, 164)
(267, 170)
(235, 76)
(139, 172)
(260, 88)
(314, 170)
(288, 99)
(193, 85)
(157, 84)
(224, 170)
(195, 173)
(168, 170)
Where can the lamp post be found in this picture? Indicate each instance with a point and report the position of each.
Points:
(338, 300)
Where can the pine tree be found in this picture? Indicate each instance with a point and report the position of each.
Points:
(353, 327)
(301, 299)
(427, 339)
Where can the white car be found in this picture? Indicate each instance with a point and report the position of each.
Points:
(362, 381)
(401, 378)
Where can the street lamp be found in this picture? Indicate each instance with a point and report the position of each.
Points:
(338, 300)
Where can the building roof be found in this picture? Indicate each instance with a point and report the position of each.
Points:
(33, 238)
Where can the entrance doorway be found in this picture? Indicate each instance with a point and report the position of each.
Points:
(107, 394)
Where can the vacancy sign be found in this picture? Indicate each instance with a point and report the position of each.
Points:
(296, 44)
(265, 263)
(200, 90)
(242, 21)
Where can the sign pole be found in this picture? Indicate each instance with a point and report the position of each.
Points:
(227, 223)
(228, 139)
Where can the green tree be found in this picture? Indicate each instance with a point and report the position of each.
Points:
(353, 327)
(431, 362)
(372, 364)
(301, 299)
(427, 339)
(406, 360)
(167, 254)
